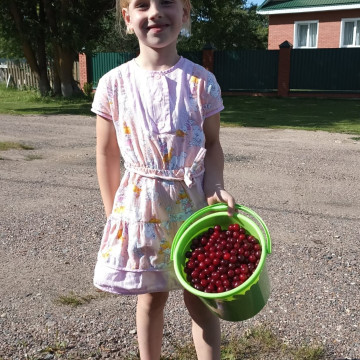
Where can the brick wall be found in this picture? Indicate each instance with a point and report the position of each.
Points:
(83, 71)
(281, 27)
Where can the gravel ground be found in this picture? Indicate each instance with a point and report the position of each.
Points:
(305, 185)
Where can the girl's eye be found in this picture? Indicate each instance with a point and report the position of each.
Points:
(141, 5)
(167, 2)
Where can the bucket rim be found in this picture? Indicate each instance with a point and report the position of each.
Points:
(219, 208)
(227, 295)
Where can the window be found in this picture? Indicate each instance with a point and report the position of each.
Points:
(350, 32)
(306, 34)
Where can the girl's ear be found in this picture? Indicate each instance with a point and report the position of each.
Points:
(186, 15)
(126, 16)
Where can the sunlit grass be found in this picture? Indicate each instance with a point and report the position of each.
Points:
(333, 115)
(29, 102)
(8, 145)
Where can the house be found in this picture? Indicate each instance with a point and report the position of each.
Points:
(312, 23)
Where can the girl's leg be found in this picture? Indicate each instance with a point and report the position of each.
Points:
(205, 328)
(150, 323)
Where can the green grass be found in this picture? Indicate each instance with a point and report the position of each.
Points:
(7, 145)
(333, 115)
(30, 102)
(74, 299)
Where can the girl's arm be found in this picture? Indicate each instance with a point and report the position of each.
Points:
(214, 165)
(107, 162)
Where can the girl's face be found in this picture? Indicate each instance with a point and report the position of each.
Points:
(156, 23)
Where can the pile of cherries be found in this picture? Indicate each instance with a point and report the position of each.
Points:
(221, 259)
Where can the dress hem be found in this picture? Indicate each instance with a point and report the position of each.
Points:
(124, 282)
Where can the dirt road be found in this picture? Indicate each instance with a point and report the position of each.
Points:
(305, 185)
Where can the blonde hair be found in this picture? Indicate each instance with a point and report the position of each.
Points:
(121, 4)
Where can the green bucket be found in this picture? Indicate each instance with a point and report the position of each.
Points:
(249, 298)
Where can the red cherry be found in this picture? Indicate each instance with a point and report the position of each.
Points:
(226, 256)
(226, 283)
(251, 267)
(244, 269)
(201, 257)
(243, 277)
(242, 237)
(257, 247)
(210, 288)
(216, 261)
(202, 265)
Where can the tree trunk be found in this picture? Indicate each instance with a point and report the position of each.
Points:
(63, 57)
(56, 79)
(64, 60)
(37, 61)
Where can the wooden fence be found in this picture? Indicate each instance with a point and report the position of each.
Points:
(18, 74)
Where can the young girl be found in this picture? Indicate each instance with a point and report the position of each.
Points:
(161, 111)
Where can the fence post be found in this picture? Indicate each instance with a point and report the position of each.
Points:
(284, 69)
(83, 71)
(208, 57)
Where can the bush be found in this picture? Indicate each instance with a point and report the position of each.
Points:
(88, 89)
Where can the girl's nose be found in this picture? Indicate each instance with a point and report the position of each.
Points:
(155, 10)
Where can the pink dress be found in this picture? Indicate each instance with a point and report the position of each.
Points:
(158, 117)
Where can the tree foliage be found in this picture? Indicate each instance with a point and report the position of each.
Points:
(51, 30)
(55, 31)
(226, 25)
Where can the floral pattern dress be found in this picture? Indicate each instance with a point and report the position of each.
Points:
(158, 117)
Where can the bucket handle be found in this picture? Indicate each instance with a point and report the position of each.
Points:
(219, 207)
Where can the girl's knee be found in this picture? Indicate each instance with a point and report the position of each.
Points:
(153, 301)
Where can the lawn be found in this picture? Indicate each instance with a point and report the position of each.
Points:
(17, 102)
(334, 115)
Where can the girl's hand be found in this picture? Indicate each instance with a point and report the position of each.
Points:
(222, 196)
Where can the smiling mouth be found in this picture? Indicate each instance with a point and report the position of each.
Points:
(157, 27)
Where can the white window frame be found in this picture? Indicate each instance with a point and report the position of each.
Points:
(296, 27)
(342, 29)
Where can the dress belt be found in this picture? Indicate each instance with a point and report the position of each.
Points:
(188, 174)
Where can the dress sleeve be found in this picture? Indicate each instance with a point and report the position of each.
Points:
(101, 102)
(212, 102)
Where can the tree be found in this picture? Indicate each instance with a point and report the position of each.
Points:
(226, 25)
(54, 30)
